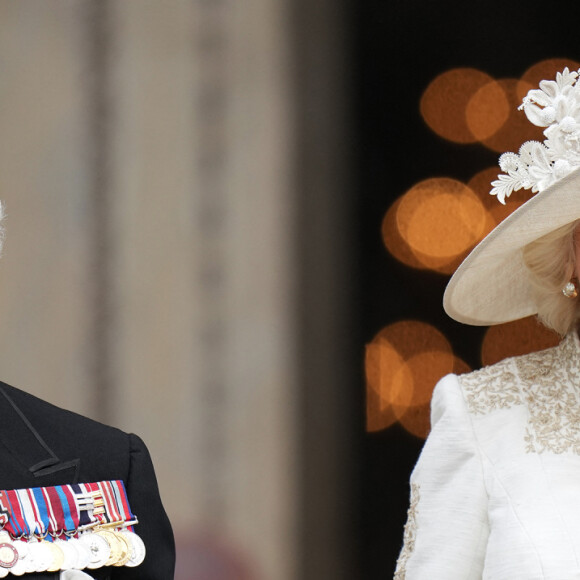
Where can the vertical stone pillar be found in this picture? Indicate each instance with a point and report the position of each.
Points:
(45, 284)
(173, 173)
(202, 333)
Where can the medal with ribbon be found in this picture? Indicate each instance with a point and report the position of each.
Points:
(77, 526)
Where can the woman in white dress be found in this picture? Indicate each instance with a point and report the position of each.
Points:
(496, 491)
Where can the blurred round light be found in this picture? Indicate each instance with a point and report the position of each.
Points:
(426, 368)
(516, 128)
(516, 338)
(417, 418)
(389, 383)
(403, 363)
(393, 241)
(444, 103)
(438, 221)
(488, 110)
(480, 184)
(546, 70)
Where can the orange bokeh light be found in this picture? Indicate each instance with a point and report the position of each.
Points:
(417, 420)
(444, 103)
(440, 218)
(379, 415)
(480, 184)
(547, 69)
(466, 105)
(403, 363)
(516, 128)
(393, 241)
(389, 380)
(516, 338)
(430, 366)
(487, 111)
(434, 224)
(427, 368)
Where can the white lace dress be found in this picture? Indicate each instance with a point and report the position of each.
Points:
(495, 494)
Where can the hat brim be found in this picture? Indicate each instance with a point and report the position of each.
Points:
(491, 285)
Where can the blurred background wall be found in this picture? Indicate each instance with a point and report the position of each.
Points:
(178, 255)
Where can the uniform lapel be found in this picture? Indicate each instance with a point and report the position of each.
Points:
(25, 443)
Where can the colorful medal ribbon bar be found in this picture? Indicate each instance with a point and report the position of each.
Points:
(77, 526)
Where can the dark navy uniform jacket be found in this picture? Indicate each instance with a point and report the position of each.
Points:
(44, 445)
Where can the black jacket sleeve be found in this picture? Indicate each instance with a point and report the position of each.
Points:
(153, 527)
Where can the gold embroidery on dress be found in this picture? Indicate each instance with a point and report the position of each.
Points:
(491, 388)
(550, 392)
(409, 535)
(548, 384)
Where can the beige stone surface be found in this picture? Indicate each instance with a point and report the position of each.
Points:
(45, 283)
(189, 159)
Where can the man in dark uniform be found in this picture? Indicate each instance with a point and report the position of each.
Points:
(42, 445)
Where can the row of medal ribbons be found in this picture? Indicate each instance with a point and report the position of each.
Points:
(67, 527)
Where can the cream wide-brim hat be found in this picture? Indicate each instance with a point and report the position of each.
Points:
(492, 286)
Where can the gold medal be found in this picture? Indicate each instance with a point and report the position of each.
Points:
(114, 543)
(57, 557)
(125, 549)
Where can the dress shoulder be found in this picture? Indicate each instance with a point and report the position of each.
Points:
(499, 386)
(447, 527)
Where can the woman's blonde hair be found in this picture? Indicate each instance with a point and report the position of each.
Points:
(551, 262)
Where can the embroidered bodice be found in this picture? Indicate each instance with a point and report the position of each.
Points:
(495, 494)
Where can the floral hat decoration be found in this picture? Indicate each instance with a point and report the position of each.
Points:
(492, 286)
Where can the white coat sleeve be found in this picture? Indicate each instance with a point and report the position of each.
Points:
(447, 528)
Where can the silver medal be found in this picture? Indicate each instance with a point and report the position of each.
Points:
(30, 560)
(137, 548)
(8, 554)
(42, 556)
(20, 567)
(70, 554)
(98, 548)
(83, 554)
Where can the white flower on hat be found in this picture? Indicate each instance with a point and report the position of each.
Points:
(556, 106)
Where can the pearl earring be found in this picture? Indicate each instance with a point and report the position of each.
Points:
(570, 290)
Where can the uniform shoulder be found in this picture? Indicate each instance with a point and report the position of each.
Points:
(49, 417)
